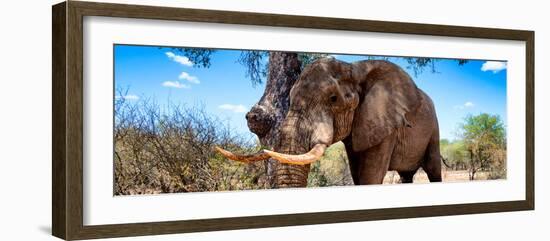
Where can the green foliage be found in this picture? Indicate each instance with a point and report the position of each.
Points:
(484, 138)
(455, 154)
(482, 147)
(483, 129)
(317, 177)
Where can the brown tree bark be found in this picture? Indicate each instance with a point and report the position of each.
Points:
(266, 116)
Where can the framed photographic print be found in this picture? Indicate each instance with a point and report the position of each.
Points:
(171, 120)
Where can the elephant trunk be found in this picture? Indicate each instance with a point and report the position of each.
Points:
(288, 175)
(293, 142)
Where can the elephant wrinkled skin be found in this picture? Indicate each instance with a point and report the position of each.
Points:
(374, 107)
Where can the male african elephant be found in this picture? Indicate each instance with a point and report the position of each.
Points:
(373, 106)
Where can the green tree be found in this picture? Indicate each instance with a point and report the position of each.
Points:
(454, 154)
(484, 138)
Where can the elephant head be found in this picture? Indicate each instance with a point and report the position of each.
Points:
(332, 100)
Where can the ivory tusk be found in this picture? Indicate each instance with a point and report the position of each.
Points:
(313, 155)
(243, 158)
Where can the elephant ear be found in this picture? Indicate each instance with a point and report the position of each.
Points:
(388, 95)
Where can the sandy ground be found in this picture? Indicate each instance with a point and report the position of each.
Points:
(448, 176)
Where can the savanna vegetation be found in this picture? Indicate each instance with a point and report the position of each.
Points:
(171, 149)
(481, 147)
(159, 151)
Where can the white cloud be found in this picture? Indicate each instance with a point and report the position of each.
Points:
(179, 59)
(495, 66)
(190, 78)
(127, 97)
(468, 104)
(175, 84)
(234, 108)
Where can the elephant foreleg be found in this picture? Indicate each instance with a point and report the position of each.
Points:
(375, 161)
(352, 160)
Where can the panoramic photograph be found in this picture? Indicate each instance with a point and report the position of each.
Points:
(203, 120)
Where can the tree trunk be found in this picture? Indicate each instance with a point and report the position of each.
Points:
(265, 118)
(472, 166)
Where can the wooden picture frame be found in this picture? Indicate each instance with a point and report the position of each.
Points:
(67, 123)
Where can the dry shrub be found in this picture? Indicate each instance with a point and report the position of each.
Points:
(497, 167)
(332, 169)
(171, 150)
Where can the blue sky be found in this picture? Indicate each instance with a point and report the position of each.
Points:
(224, 90)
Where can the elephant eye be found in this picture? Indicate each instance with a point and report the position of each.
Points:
(333, 98)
